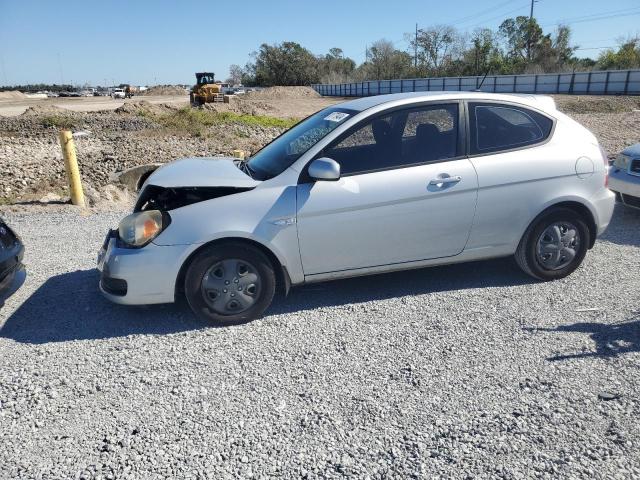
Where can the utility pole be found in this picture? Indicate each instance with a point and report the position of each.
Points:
(415, 50)
(530, 31)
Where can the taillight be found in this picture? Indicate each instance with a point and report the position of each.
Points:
(605, 159)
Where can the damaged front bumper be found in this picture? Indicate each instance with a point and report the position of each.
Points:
(140, 276)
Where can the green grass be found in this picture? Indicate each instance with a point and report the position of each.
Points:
(7, 200)
(196, 122)
(57, 121)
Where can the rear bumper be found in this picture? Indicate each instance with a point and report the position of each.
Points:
(603, 203)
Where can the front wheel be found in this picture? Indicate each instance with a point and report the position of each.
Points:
(554, 245)
(230, 284)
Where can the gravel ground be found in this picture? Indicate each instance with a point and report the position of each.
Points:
(468, 371)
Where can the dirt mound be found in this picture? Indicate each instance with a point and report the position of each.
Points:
(283, 92)
(596, 104)
(253, 108)
(164, 90)
(242, 106)
(141, 107)
(36, 110)
(12, 95)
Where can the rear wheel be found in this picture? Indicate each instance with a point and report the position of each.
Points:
(230, 284)
(554, 245)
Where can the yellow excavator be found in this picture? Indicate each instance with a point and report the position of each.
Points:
(205, 90)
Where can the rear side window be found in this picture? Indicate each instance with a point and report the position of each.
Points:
(503, 127)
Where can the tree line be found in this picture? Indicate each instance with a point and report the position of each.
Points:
(519, 45)
(38, 87)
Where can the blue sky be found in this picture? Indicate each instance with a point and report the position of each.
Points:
(162, 41)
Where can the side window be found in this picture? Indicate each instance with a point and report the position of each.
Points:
(363, 137)
(503, 127)
(430, 134)
(405, 137)
(442, 118)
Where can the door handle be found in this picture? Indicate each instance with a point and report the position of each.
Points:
(445, 180)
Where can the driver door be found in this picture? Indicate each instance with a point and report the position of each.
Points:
(406, 194)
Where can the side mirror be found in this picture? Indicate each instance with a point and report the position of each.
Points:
(324, 169)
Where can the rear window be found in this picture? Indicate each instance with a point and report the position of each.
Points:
(503, 127)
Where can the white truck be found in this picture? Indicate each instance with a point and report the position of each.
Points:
(118, 93)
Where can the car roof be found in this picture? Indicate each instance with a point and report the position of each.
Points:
(541, 102)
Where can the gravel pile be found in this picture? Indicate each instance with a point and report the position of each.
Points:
(12, 95)
(31, 159)
(163, 90)
(469, 371)
(282, 93)
(596, 103)
(615, 131)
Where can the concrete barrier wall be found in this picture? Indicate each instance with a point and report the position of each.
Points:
(610, 82)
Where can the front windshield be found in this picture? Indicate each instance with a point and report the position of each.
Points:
(205, 78)
(280, 154)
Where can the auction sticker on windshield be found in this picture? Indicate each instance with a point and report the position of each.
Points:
(336, 116)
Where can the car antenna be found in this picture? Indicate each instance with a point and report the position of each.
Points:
(482, 81)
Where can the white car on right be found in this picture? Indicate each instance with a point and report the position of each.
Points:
(624, 176)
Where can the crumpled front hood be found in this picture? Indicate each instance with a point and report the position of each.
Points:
(201, 172)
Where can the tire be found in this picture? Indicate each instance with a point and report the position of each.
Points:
(230, 284)
(547, 253)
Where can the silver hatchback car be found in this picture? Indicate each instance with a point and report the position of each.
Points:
(372, 185)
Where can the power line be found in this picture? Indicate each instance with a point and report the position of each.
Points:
(633, 11)
(502, 15)
(479, 14)
(581, 17)
(593, 48)
(613, 39)
(596, 17)
(460, 21)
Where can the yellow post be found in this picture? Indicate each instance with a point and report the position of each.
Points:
(241, 154)
(71, 167)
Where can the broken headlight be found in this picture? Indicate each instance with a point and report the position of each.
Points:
(138, 229)
(621, 161)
